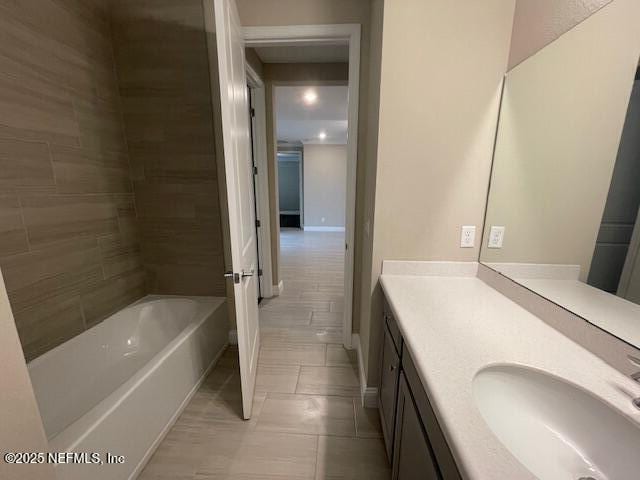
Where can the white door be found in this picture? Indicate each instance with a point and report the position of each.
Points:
(239, 179)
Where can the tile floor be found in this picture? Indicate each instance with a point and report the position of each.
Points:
(308, 422)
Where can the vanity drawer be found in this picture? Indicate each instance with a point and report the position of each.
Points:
(391, 324)
(446, 463)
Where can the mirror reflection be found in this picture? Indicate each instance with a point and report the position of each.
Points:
(562, 214)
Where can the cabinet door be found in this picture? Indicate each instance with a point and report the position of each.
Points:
(388, 389)
(412, 455)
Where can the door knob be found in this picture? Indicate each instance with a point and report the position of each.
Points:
(247, 274)
(234, 276)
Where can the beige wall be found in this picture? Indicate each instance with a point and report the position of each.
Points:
(69, 244)
(362, 288)
(537, 23)
(166, 96)
(22, 429)
(560, 126)
(436, 131)
(325, 185)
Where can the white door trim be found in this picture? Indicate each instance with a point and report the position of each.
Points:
(328, 34)
(262, 180)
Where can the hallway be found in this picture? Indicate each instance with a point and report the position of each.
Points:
(308, 422)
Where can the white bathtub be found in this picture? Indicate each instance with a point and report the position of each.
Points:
(119, 386)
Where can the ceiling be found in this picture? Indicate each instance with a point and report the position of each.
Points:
(304, 54)
(298, 122)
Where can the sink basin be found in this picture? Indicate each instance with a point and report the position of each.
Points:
(556, 429)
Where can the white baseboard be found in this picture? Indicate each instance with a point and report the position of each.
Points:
(278, 289)
(233, 337)
(311, 228)
(368, 395)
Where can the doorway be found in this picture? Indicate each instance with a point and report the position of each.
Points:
(290, 189)
(348, 37)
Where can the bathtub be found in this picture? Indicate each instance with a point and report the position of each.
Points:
(119, 386)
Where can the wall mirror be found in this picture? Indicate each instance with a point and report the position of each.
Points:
(562, 212)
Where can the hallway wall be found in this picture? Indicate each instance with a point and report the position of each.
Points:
(325, 185)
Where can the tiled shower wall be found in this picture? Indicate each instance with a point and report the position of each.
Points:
(163, 69)
(76, 244)
(69, 248)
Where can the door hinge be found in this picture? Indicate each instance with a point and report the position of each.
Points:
(255, 170)
(253, 112)
(346, 246)
(259, 272)
(258, 223)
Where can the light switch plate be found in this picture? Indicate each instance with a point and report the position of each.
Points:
(496, 236)
(468, 236)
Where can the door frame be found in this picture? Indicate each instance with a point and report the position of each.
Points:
(330, 34)
(256, 84)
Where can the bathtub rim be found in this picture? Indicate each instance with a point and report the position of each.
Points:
(69, 438)
(77, 338)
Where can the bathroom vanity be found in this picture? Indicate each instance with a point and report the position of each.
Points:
(414, 441)
(476, 387)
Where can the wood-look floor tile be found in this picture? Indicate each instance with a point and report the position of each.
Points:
(367, 421)
(352, 458)
(317, 415)
(341, 381)
(334, 319)
(292, 354)
(178, 456)
(285, 317)
(289, 432)
(283, 302)
(337, 306)
(259, 455)
(277, 378)
(338, 356)
(279, 335)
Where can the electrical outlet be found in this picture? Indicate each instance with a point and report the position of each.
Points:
(468, 236)
(496, 236)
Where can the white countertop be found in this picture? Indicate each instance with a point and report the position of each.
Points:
(454, 326)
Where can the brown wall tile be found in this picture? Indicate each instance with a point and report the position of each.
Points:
(166, 100)
(69, 248)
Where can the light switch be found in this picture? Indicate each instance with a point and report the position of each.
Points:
(496, 235)
(468, 236)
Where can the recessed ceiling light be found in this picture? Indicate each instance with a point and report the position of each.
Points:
(310, 97)
(322, 135)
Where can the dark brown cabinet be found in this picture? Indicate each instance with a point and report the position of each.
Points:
(389, 389)
(412, 455)
(415, 443)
